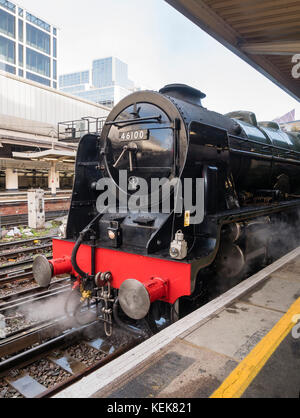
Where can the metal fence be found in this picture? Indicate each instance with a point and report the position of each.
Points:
(72, 131)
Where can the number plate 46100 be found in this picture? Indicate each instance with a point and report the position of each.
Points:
(138, 135)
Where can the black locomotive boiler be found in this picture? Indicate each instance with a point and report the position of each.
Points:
(140, 265)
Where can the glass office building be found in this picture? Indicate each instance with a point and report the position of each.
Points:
(106, 83)
(28, 45)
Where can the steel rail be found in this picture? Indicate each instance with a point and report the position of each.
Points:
(32, 353)
(21, 250)
(6, 269)
(7, 245)
(17, 275)
(46, 295)
(15, 220)
(31, 298)
(29, 336)
(75, 378)
(27, 292)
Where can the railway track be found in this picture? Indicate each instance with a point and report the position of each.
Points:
(20, 268)
(7, 246)
(42, 353)
(29, 292)
(33, 296)
(31, 309)
(56, 359)
(18, 220)
(16, 275)
(11, 254)
(18, 272)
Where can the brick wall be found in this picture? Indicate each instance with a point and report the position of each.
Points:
(22, 209)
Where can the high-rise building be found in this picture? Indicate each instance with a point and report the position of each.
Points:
(28, 45)
(106, 83)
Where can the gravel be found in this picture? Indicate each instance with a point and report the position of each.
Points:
(47, 373)
(15, 287)
(7, 391)
(86, 355)
(16, 321)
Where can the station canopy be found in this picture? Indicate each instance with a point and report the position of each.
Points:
(48, 155)
(266, 34)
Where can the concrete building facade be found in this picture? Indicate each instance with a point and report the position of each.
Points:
(32, 101)
(29, 118)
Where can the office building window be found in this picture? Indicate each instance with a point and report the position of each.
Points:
(8, 5)
(75, 89)
(38, 39)
(21, 29)
(54, 70)
(21, 12)
(7, 68)
(37, 62)
(21, 55)
(54, 31)
(7, 24)
(37, 79)
(54, 84)
(21, 73)
(54, 48)
(74, 79)
(7, 50)
(38, 22)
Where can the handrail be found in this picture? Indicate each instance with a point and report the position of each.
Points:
(264, 145)
(68, 130)
(132, 121)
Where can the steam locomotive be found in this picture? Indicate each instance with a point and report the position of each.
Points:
(140, 265)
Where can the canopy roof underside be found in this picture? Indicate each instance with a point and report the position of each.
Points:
(266, 34)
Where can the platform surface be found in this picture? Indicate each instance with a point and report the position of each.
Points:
(239, 345)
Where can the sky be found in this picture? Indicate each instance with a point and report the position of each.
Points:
(161, 47)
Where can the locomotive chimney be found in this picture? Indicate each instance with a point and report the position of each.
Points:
(184, 92)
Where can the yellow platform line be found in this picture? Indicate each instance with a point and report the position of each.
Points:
(240, 379)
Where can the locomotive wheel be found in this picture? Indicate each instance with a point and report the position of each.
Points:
(230, 262)
(282, 184)
(235, 231)
(78, 310)
(174, 312)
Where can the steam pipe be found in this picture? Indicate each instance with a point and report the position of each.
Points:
(78, 245)
(74, 256)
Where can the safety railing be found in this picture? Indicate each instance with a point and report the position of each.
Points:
(73, 131)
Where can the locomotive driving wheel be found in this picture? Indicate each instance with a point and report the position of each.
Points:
(283, 184)
(230, 262)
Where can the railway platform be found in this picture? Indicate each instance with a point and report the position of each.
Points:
(245, 343)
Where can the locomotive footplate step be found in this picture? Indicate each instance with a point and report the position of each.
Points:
(246, 343)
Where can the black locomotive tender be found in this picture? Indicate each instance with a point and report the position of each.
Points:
(139, 267)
